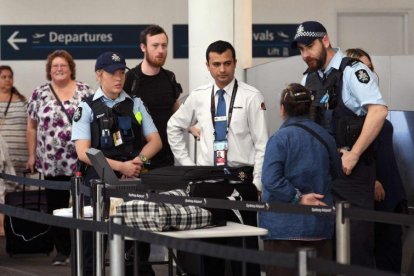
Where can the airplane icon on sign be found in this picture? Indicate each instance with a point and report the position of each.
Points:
(37, 35)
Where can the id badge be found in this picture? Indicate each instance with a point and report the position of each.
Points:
(117, 138)
(220, 153)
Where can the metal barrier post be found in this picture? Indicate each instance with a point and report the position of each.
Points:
(100, 264)
(117, 247)
(343, 254)
(77, 209)
(302, 260)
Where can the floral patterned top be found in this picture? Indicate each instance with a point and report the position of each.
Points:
(55, 152)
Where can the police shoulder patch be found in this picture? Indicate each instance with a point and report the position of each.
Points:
(78, 114)
(362, 76)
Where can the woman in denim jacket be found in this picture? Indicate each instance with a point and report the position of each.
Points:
(298, 168)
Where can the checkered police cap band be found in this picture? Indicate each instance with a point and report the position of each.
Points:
(307, 32)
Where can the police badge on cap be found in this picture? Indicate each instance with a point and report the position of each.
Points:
(307, 32)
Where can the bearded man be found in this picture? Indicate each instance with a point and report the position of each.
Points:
(348, 103)
(156, 86)
(159, 90)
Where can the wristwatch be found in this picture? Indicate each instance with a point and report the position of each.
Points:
(143, 158)
(297, 198)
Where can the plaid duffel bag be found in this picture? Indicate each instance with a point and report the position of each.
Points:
(158, 217)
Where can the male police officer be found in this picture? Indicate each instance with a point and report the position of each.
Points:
(346, 98)
(113, 122)
(231, 117)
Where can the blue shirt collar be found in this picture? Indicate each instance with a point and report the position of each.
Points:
(228, 88)
(335, 62)
(100, 94)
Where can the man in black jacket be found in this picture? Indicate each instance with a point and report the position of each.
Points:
(159, 90)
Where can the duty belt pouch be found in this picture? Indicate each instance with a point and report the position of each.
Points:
(226, 190)
(125, 127)
(348, 130)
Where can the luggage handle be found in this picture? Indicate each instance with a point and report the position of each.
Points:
(25, 173)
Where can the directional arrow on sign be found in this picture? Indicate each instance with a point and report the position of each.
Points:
(13, 40)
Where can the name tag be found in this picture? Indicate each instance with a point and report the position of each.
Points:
(220, 153)
(220, 118)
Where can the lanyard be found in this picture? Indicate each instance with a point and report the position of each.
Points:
(230, 113)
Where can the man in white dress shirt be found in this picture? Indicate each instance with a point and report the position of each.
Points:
(242, 139)
(247, 131)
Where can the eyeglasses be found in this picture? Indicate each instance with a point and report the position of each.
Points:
(63, 66)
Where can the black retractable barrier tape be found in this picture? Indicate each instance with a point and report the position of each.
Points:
(223, 203)
(56, 185)
(376, 216)
(197, 247)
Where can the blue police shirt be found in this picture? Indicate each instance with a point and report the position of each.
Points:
(81, 130)
(356, 91)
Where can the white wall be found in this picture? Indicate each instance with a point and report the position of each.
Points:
(326, 11)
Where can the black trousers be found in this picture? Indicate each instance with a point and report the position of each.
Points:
(358, 190)
(57, 199)
(388, 244)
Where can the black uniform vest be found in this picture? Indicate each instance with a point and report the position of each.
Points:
(118, 122)
(327, 114)
(334, 116)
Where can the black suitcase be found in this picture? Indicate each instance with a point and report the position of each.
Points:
(27, 237)
(178, 177)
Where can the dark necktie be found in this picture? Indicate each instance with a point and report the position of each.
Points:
(221, 126)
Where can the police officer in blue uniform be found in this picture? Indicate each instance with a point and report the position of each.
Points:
(115, 123)
(346, 97)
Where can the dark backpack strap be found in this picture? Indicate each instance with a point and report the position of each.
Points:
(314, 134)
(175, 86)
(320, 139)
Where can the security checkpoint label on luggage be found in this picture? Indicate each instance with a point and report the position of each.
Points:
(220, 153)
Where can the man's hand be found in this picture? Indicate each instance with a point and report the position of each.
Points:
(195, 131)
(131, 168)
(379, 192)
(312, 199)
(349, 160)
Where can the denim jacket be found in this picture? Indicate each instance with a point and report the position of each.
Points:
(295, 159)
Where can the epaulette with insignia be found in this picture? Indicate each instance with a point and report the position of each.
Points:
(354, 63)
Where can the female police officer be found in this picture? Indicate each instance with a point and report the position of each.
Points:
(115, 123)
